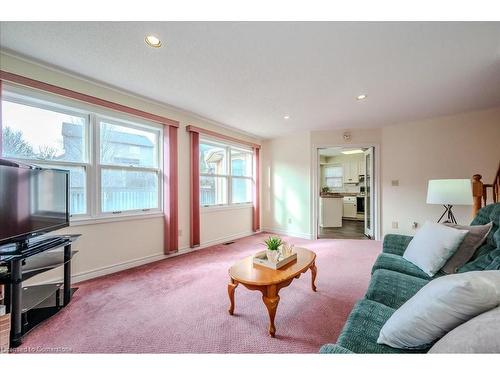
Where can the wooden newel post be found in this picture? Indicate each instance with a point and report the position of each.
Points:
(477, 193)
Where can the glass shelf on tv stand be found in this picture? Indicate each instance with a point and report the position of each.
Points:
(30, 305)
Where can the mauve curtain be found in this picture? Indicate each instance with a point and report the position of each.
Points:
(256, 190)
(170, 190)
(170, 178)
(194, 145)
(1, 129)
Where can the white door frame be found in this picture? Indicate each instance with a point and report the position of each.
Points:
(315, 175)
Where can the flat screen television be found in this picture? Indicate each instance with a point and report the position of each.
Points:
(33, 201)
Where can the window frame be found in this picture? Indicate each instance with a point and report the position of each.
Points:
(228, 146)
(341, 178)
(93, 114)
(100, 165)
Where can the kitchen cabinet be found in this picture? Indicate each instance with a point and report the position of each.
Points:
(330, 209)
(361, 166)
(350, 207)
(351, 171)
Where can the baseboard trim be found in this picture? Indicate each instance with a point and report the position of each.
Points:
(220, 240)
(108, 270)
(283, 232)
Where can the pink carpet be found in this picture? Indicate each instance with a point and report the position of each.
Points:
(179, 305)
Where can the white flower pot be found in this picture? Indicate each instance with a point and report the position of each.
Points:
(272, 255)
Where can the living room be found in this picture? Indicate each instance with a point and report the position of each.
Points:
(161, 187)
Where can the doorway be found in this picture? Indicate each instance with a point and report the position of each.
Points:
(345, 193)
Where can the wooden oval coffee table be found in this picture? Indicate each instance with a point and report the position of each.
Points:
(269, 281)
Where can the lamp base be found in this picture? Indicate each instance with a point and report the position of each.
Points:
(449, 214)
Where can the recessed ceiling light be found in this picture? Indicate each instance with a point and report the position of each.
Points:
(286, 117)
(362, 96)
(153, 41)
(350, 152)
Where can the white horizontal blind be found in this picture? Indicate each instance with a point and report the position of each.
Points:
(333, 176)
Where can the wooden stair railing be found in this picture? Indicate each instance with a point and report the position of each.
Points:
(480, 191)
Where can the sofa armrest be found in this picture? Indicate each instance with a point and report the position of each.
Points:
(334, 349)
(395, 244)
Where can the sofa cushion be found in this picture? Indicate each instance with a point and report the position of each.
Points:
(334, 349)
(399, 264)
(395, 244)
(392, 288)
(362, 328)
(495, 262)
(489, 213)
(488, 261)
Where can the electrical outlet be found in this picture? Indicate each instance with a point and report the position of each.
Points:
(180, 232)
(289, 220)
(414, 225)
(395, 225)
(395, 182)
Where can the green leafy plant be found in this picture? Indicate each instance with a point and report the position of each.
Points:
(325, 189)
(273, 243)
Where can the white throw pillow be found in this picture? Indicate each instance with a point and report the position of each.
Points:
(433, 245)
(440, 306)
(478, 335)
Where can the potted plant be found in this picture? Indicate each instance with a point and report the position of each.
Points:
(273, 244)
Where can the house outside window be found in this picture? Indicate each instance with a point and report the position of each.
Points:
(115, 163)
(226, 174)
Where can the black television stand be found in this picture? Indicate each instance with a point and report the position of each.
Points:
(31, 305)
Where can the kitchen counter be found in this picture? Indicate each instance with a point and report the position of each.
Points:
(340, 195)
(330, 211)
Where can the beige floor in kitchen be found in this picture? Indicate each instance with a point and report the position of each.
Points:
(351, 229)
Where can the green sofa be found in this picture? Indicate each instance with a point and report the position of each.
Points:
(395, 280)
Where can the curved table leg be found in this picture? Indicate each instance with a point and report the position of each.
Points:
(271, 300)
(230, 290)
(314, 270)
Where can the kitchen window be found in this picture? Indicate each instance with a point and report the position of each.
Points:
(226, 175)
(114, 160)
(334, 176)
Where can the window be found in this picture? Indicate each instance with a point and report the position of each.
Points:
(114, 164)
(129, 167)
(51, 137)
(334, 176)
(225, 174)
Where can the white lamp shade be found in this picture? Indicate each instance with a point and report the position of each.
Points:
(453, 192)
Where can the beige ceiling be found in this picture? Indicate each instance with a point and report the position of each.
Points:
(248, 75)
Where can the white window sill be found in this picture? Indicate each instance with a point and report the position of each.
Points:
(226, 207)
(75, 222)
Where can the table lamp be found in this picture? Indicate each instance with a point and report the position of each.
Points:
(449, 193)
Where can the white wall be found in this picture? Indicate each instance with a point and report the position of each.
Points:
(446, 147)
(223, 225)
(325, 138)
(286, 165)
(136, 241)
(456, 146)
